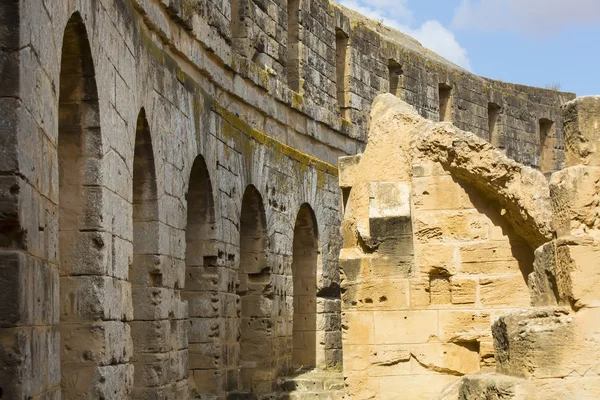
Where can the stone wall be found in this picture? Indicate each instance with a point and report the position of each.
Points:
(131, 133)
(444, 275)
(428, 261)
(379, 52)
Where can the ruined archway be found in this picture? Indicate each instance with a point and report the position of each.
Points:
(202, 284)
(304, 272)
(255, 293)
(145, 272)
(83, 243)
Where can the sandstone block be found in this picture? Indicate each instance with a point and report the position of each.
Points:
(573, 191)
(546, 343)
(582, 131)
(398, 327)
(450, 358)
(507, 290)
(463, 290)
(464, 326)
(378, 294)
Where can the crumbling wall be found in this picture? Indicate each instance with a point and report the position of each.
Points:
(551, 351)
(430, 258)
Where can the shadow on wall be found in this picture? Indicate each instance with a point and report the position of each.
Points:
(304, 271)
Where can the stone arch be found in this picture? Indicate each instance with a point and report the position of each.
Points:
(83, 243)
(144, 272)
(202, 283)
(305, 260)
(256, 295)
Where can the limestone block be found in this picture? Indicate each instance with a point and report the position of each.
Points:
(464, 326)
(439, 226)
(347, 170)
(574, 201)
(15, 304)
(158, 369)
(357, 327)
(547, 343)
(397, 327)
(376, 294)
(389, 200)
(581, 119)
(416, 387)
(494, 256)
(93, 297)
(394, 259)
(111, 381)
(486, 355)
(420, 291)
(388, 360)
(158, 336)
(449, 358)
(440, 290)
(95, 343)
(491, 386)
(437, 258)
(440, 193)
(576, 274)
(463, 290)
(176, 390)
(504, 290)
(547, 287)
(86, 253)
(353, 265)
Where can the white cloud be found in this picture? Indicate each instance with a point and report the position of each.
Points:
(432, 34)
(537, 17)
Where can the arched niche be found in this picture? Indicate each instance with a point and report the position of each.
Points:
(304, 274)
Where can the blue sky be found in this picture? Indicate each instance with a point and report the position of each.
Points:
(532, 42)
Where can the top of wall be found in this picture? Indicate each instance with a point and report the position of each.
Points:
(258, 52)
(394, 35)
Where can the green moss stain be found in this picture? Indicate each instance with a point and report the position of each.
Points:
(204, 103)
(305, 161)
(297, 100)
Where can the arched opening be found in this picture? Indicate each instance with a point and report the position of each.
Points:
(202, 282)
(395, 76)
(144, 272)
(445, 104)
(256, 295)
(547, 145)
(304, 273)
(493, 124)
(83, 243)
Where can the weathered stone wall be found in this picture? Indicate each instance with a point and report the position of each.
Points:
(429, 259)
(131, 131)
(375, 48)
(551, 350)
(440, 278)
(92, 305)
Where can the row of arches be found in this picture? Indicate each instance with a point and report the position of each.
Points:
(84, 264)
